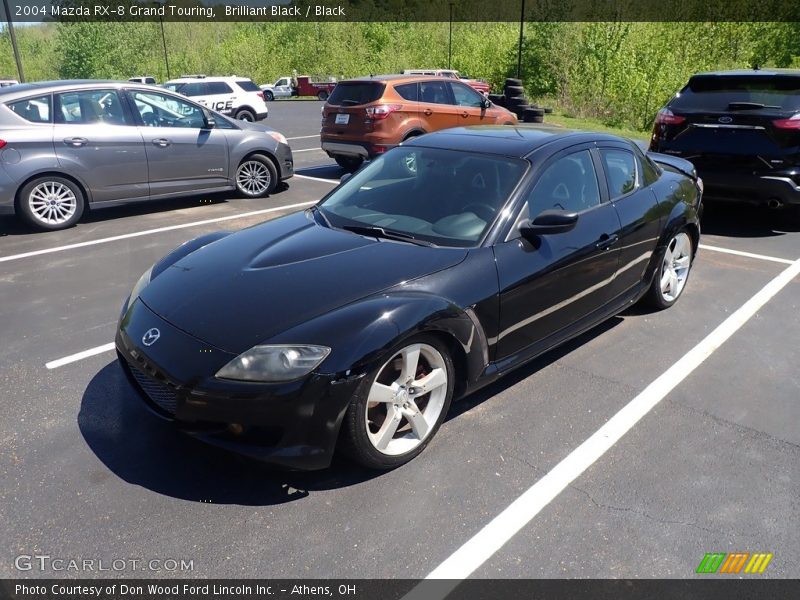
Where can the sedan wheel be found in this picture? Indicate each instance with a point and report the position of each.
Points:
(256, 177)
(671, 276)
(51, 203)
(401, 405)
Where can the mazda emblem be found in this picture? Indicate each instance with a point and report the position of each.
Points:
(725, 119)
(151, 336)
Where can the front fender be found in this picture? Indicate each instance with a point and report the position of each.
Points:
(361, 333)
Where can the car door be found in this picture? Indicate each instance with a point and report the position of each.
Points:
(282, 88)
(183, 154)
(637, 209)
(437, 109)
(96, 140)
(470, 105)
(549, 285)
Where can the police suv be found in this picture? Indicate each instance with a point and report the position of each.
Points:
(234, 96)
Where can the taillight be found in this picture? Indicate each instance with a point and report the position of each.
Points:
(260, 95)
(3, 143)
(666, 117)
(382, 111)
(791, 123)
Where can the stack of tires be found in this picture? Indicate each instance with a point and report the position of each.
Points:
(514, 99)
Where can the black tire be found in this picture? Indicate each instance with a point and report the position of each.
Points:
(520, 110)
(269, 96)
(515, 101)
(537, 119)
(513, 81)
(323, 95)
(532, 112)
(256, 164)
(348, 163)
(245, 114)
(355, 441)
(656, 296)
(514, 90)
(40, 212)
(548, 110)
(498, 99)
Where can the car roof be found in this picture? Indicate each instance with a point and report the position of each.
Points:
(204, 78)
(394, 78)
(506, 140)
(22, 90)
(749, 73)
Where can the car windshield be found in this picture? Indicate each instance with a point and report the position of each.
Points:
(446, 197)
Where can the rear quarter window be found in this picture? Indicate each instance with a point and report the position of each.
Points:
(247, 85)
(35, 110)
(717, 92)
(408, 91)
(356, 93)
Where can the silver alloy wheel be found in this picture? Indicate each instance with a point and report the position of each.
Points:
(52, 202)
(406, 399)
(675, 268)
(253, 178)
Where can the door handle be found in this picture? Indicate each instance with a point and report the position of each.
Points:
(427, 112)
(465, 114)
(161, 142)
(606, 241)
(76, 142)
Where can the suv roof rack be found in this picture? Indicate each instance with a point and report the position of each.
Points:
(196, 76)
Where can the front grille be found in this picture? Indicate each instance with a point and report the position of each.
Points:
(161, 394)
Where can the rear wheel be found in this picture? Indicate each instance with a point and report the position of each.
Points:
(399, 406)
(51, 203)
(672, 272)
(256, 176)
(269, 96)
(323, 95)
(245, 115)
(348, 163)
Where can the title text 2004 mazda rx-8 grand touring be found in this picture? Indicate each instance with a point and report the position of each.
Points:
(434, 270)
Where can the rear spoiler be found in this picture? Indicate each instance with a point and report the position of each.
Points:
(675, 163)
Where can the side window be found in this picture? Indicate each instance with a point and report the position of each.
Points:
(466, 96)
(409, 91)
(434, 92)
(570, 184)
(620, 166)
(218, 87)
(160, 110)
(283, 81)
(35, 110)
(194, 89)
(89, 106)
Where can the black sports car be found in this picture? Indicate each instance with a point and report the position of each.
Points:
(434, 270)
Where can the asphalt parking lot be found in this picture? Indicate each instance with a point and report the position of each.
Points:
(714, 466)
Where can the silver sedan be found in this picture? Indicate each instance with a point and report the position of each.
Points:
(66, 146)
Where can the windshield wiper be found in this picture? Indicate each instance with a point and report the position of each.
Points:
(388, 234)
(748, 106)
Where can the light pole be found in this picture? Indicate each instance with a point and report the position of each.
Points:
(163, 42)
(519, 51)
(13, 36)
(450, 44)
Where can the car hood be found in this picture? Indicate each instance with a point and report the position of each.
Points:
(247, 287)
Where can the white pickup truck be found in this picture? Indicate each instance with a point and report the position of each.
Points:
(280, 89)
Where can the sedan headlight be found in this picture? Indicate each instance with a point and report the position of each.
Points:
(140, 285)
(274, 363)
(278, 137)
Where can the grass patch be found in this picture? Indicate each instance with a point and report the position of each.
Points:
(593, 125)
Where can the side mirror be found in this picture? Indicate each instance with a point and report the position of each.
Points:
(486, 103)
(345, 177)
(549, 222)
(210, 122)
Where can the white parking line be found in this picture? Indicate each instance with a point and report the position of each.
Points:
(477, 550)
(126, 236)
(303, 137)
(333, 181)
(54, 364)
(784, 261)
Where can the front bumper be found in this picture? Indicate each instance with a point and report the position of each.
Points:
(293, 425)
(283, 153)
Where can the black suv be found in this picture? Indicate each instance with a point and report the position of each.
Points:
(741, 129)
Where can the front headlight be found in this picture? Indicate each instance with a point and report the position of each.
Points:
(140, 285)
(274, 363)
(278, 137)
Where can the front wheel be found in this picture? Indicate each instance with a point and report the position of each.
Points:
(399, 406)
(323, 95)
(51, 203)
(256, 177)
(269, 96)
(672, 272)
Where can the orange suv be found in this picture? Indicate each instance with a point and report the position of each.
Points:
(366, 117)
